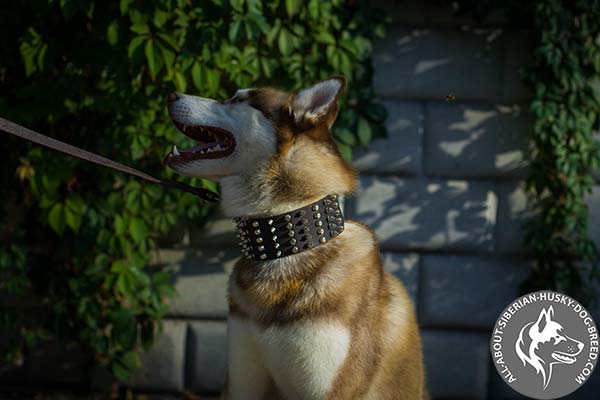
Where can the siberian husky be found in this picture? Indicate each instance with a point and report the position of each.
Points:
(312, 314)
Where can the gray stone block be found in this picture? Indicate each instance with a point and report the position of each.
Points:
(434, 13)
(409, 214)
(400, 152)
(218, 230)
(456, 364)
(405, 267)
(513, 212)
(200, 279)
(468, 140)
(429, 64)
(206, 356)
(518, 50)
(163, 365)
(467, 291)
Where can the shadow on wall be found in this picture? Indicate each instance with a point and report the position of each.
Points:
(432, 64)
(409, 214)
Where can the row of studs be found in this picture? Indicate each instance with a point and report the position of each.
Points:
(243, 233)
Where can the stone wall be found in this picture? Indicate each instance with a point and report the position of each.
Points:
(443, 193)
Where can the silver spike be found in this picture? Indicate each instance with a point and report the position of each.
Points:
(289, 226)
(315, 207)
(317, 215)
(261, 247)
(270, 222)
(259, 240)
(277, 245)
(323, 239)
(263, 256)
(327, 202)
(255, 224)
(320, 231)
(319, 223)
(291, 233)
(288, 217)
(273, 229)
(295, 249)
(274, 238)
(292, 241)
(329, 210)
(278, 253)
(257, 232)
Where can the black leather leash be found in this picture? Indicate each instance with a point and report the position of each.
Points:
(27, 134)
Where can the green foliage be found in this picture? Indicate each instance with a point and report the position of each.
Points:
(96, 74)
(566, 107)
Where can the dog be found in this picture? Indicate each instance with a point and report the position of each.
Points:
(543, 344)
(324, 321)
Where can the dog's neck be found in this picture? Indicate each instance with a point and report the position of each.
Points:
(243, 196)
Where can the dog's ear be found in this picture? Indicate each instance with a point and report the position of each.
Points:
(544, 318)
(318, 103)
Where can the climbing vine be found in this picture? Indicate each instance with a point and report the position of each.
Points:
(78, 238)
(566, 106)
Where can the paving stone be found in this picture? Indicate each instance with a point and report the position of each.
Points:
(58, 363)
(200, 279)
(408, 214)
(163, 366)
(400, 152)
(430, 64)
(456, 364)
(206, 356)
(467, 291)
(513, 212)
(405, 267)
(468, 140)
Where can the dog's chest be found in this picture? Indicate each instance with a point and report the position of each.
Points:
(300, 356)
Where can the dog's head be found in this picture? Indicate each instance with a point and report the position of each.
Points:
(544, 343)
(262, 131)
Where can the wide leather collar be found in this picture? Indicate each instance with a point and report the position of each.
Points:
(278, 236)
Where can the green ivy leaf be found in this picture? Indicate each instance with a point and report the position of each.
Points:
(138, 229)
(112, 33)
(153, 65)
(292, 6)
(285, 42)
(57, 218)
(365, 133)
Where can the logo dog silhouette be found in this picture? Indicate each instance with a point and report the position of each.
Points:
(543, 343)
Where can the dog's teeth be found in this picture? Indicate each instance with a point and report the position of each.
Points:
(175, 151)
(209, 150)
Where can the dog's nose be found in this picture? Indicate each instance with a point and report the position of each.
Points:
(172, 97)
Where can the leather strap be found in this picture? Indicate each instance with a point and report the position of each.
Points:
(27, 134)
(290, 233)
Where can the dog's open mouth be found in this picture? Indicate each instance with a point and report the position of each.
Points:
(563, 358)
(214, 142)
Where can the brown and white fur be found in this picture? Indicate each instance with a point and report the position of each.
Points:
(327, 323)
